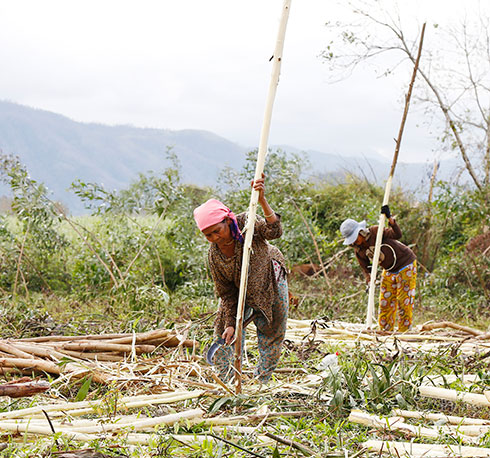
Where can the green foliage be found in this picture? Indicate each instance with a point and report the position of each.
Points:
(140, 250)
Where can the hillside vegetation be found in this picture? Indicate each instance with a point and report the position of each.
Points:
(140, 253)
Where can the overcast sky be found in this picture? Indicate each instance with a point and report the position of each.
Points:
(204, 64)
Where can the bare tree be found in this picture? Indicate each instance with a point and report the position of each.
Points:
(455, 71)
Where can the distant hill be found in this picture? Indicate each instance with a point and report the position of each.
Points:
(58, 150)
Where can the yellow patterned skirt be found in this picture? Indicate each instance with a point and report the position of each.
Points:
(397, 297)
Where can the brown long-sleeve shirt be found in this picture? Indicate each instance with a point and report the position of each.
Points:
(393, 256)
(262, 285)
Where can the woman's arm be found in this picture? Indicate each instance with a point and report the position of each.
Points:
(269, 214)
(271, 228)
(394, 231)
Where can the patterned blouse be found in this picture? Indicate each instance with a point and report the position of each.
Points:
(262, 284)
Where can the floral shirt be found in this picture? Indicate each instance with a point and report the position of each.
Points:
(262, 284)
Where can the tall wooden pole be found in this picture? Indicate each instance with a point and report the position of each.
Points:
(382, 217)
(252, 211)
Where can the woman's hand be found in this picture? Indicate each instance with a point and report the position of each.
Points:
(259, 185)
(269, 214)
(228, 335)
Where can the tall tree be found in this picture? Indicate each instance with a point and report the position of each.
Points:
(455, 71)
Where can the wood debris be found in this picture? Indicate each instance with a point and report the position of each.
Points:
(23, 387)
(101, 357)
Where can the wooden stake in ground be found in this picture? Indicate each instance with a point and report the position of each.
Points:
(382, 217)
(252, 211)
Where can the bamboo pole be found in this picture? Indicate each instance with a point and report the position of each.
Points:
(45, 431)
(382, 217)
(397, 424)
(454, 395)
(139, 424)
(124, 403)
(450, 324)
(410, 449)
(105, 346)
(252, 211)
(452, 419)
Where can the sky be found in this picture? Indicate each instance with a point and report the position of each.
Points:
(195, 64)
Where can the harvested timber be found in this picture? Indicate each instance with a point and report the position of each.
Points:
(454, 395)
(69, 338)
(301, 447)
(140, 424)
(397, 424)
(166, 337)
(45, 431)
(451, 378)
(450, 324)
(247, 419)
(83, 346)
(23, 387)
(452, 419)
(123, 403)
(109, 357)
(189, 439)
(412, 450)
(32, 364)
(75, 357)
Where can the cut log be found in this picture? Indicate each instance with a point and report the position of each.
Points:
(123, 403)
(450, 324)
(23, 388)
(439, 416)
(454, 395)
(397, 424)
(32, 364)
(104, 346)
(412, 450)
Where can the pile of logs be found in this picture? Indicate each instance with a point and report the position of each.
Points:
(137, 428)
(426, 337)
(81, 356)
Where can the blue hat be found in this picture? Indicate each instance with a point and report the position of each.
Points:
(350, 230)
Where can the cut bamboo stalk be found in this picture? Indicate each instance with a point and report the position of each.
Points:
(34, 364)
(45, 431)
(15, 371)
(192, 440)
(30, 433)
(174, 342)
(397, 424)
(69, 338)
(141, 424)
(103, 346)
(42, 351)
(451, 378)
(439, 416)
(473, 430)
(109, 357)
(453, 395)
(410, 449)
(123, 403)
(7, 348)
(156, 334)
(252, 211)
(247, 419)
(450, 324)
(386, 198)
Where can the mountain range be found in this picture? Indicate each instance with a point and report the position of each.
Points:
(57, 151)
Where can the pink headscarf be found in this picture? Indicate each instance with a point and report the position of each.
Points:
(213, 212)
